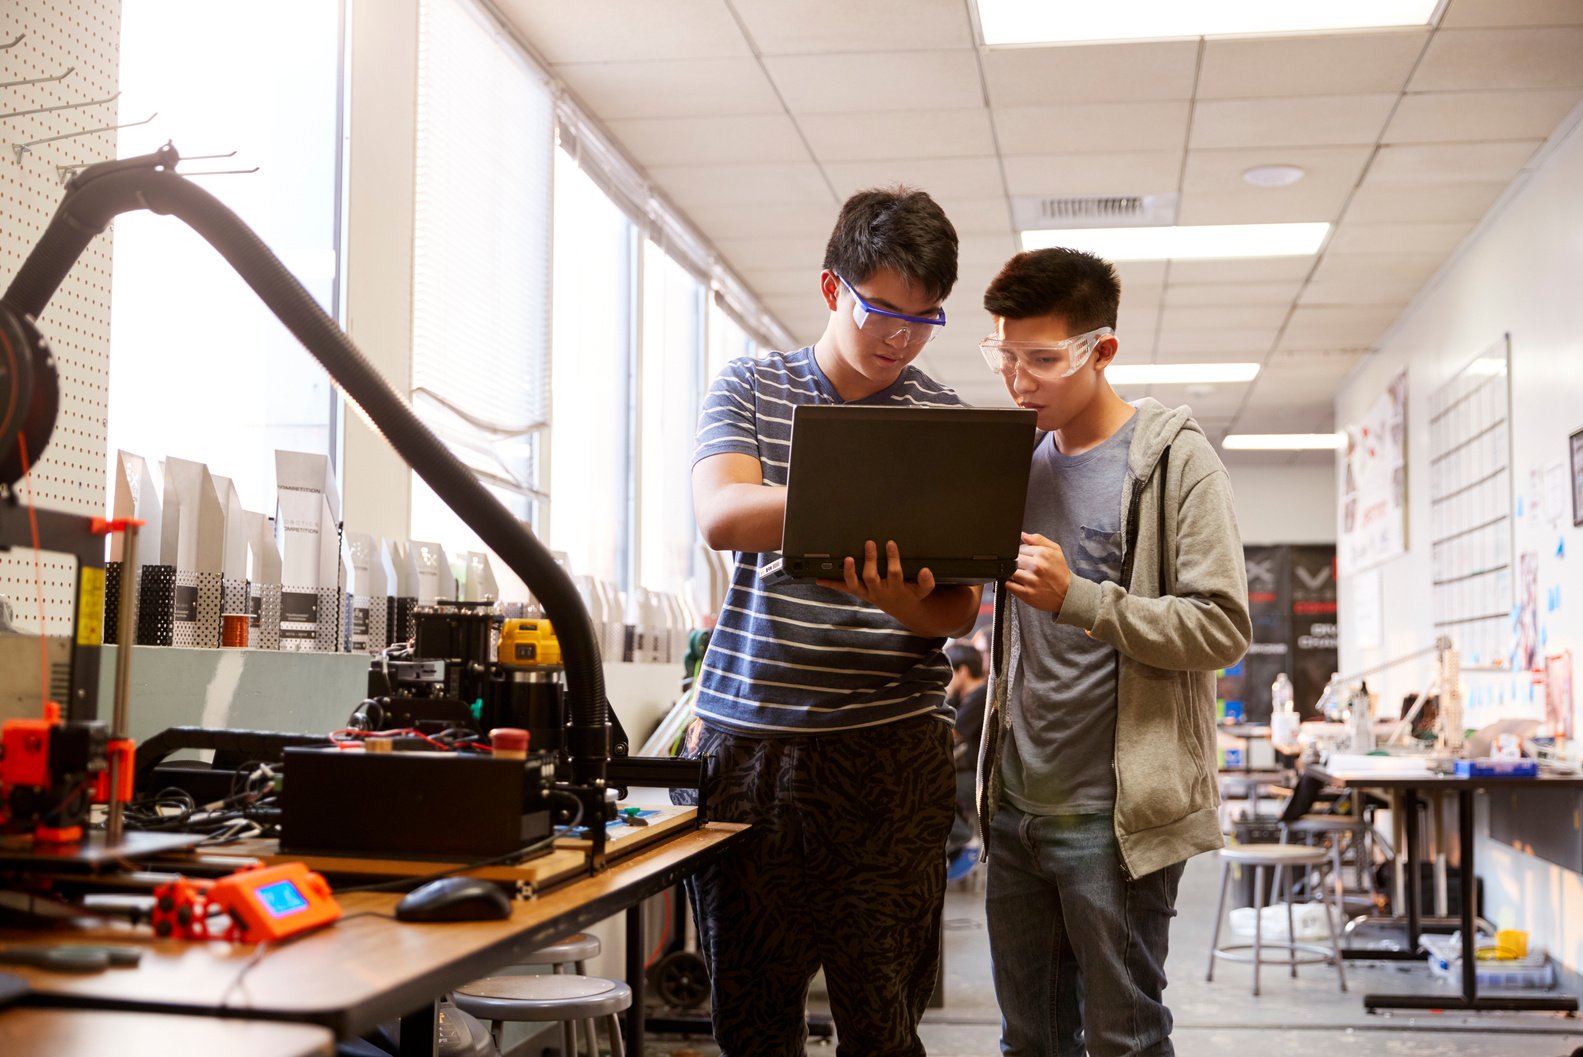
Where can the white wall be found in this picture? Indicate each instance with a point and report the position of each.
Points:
(1522, 273)
(1280, 503)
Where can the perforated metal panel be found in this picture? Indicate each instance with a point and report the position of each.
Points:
(57, 35)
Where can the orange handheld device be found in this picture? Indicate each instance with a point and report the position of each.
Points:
(250, 906)
(276, 901)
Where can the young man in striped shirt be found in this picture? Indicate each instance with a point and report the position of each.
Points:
(824, 706)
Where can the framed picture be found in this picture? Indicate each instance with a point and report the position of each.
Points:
(1577, 477)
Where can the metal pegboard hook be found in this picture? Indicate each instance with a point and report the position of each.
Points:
(20, 149)
(40, 80)
(223, 172)
(63, 106)
(13, 43)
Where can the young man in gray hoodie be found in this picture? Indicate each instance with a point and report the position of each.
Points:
(1096, 771)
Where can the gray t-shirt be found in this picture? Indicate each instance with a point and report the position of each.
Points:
(1059, 758)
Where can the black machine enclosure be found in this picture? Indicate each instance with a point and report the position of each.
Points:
(441, 805)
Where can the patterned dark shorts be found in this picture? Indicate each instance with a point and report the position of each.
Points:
(844, 868)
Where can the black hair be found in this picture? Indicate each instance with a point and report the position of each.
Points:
(961, 655)
(1079, 287)
(894, 227)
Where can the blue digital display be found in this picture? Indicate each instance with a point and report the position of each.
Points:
(282, 898)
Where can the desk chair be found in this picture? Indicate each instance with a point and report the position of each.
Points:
(1297, 818)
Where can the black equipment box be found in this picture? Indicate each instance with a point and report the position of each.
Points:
(445, 805)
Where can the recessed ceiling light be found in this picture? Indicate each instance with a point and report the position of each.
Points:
(1194, 242)
(1041, 22)
(1284, 441)
(1179, 373)
(1273, 175)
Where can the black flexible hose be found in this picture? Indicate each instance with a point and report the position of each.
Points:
(101, 192)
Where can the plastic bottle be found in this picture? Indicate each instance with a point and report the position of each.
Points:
(1283, 714)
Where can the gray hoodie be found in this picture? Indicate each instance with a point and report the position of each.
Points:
(1179, 613)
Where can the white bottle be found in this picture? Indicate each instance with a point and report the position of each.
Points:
(1283, 715)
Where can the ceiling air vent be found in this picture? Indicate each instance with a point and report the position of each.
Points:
(1093, 211)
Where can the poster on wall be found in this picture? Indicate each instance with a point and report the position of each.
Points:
(1374, 482)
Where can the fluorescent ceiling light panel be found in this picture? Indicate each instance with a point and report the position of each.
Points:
(1047, 22)
(1179, 373)
(1193, 242)
(1285, 441)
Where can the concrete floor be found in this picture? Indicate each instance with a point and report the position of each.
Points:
(1308, 1015)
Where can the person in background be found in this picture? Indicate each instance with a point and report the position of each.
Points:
(824, 706)
(1097, 774)
(966, 693)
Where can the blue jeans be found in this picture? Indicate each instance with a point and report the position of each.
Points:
(1078, 951)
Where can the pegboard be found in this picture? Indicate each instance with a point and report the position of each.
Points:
(57, 35)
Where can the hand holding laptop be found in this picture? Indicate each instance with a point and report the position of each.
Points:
(879, 589)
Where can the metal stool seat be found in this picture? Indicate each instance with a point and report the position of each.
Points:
(573, 950)
(545, 998)
(1282, 858)
(1334, 827)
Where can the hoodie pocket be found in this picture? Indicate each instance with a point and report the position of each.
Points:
(1159, 761)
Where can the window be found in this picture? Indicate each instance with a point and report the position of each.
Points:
(200, 368)
(592, 364)
(672, 379)
(481, 255)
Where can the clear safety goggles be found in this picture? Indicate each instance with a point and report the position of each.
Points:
(1047, 361)
(889, 326)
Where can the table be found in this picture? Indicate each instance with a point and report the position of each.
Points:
(1411, 783)
(367, 967)
(1248, 733)
(26, 1031)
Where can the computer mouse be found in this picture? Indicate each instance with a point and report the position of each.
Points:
(455, 899)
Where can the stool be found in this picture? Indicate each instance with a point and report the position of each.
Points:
(1283, 858)
(548, 997)
(574, 950)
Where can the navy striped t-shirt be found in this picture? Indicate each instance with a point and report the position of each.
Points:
(799, 658)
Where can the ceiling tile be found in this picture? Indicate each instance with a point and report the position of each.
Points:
(1340, 64)
(779, 282)
(1336, 326)
(1374, 202)
(1240, 271)
(625, 30)
(845, 84)
(707, 185)
(942, 177)
(1246, 342)
(1398, 238)
(976, 216)
(1464, 13)
(898, 134)
(1190, 317)
(1549, 57)
(774, 252)
(1140, 274)
(1314, 121)
(1137, 318)
(1092, 127)
(986, 251)
(1431, 163)
(1140, 173)
(1091, 73)
(694, 88)
(710, 140)
(764, 220)
(1211, 294)
(818, 27)
(1366, 267)
(1376, 291)
(1264, 205)
(1221, 170)
(1462, 117)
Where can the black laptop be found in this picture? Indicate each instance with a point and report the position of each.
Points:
(948, 484)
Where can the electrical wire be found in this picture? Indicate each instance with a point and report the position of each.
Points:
(38, 572)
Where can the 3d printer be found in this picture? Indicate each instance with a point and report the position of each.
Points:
(447, 677)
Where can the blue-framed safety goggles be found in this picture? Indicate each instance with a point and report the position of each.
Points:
(886, 325)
